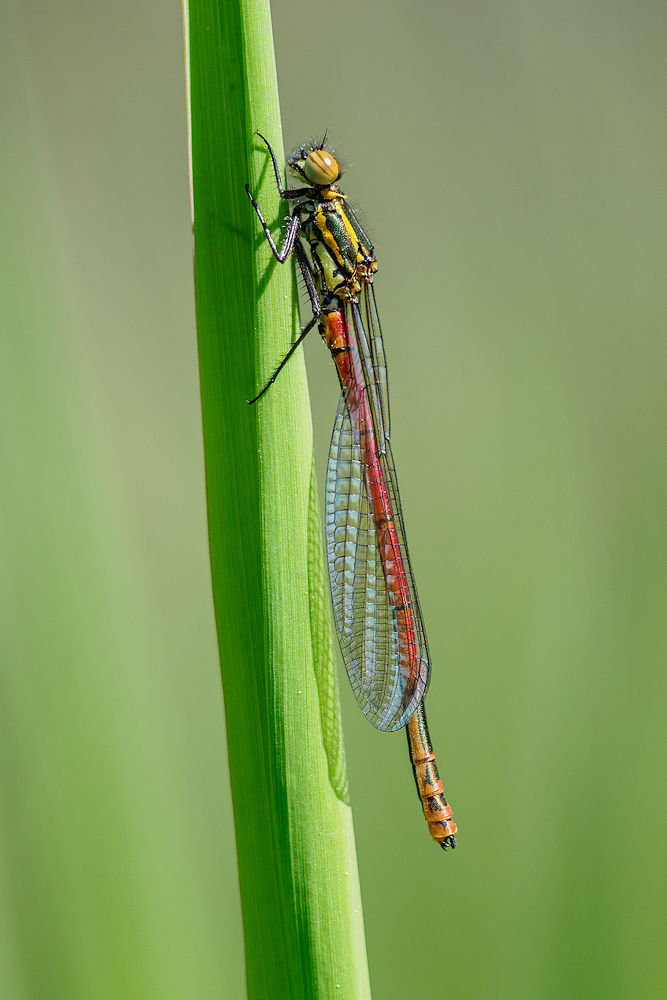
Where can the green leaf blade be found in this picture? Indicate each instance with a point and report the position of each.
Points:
(297, 865)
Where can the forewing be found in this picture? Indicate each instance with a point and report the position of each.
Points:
(386, 660)
(368, 310)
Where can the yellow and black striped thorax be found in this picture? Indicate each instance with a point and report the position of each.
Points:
(340, 253)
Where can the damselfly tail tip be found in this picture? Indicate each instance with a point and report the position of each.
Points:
(448, 842)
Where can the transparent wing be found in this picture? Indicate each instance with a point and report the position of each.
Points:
(375, 602)
(378, 360)
(365, 333)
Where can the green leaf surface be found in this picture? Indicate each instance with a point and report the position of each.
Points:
(297, 869)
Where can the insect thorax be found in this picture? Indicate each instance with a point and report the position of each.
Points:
(339, 253)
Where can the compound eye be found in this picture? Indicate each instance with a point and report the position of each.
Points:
(321, 167)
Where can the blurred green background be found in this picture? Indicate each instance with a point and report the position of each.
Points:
(509, 162)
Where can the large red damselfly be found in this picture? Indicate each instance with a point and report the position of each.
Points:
(376, 608)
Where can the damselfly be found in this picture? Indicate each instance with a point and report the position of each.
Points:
(376, 609)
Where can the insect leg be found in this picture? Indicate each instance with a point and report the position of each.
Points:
(317, 312)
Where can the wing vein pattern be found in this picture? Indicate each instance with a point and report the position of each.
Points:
(376, 608)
